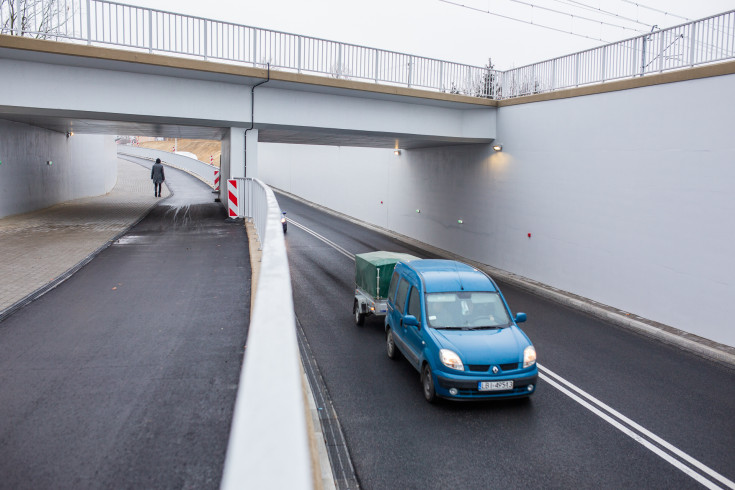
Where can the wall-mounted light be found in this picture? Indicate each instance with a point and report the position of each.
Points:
(69, 133)
(49, 162)
(396, 152)
(498, 147)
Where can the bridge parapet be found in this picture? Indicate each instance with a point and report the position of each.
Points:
(101, 22)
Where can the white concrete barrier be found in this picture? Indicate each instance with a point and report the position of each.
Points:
(202, 171)
(269, 440)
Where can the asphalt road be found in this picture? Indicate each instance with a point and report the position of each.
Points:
(553, 440)
(125, 376)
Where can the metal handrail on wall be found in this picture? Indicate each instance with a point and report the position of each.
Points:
(102, 22)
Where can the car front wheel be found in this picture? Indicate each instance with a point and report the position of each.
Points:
(427, 380)
(390, 345)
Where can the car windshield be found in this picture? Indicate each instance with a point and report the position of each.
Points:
(473, 310)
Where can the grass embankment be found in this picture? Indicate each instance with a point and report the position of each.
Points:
(203, 149)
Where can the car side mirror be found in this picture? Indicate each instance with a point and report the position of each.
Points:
(411, 321)
(521, 317)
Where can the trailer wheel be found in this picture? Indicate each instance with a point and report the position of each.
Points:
(359, 317)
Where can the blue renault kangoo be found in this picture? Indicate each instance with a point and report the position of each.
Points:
(454, 326)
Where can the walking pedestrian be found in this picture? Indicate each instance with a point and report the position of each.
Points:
(157, 177)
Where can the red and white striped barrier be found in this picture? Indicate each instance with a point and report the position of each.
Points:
(216, 180)
(211, 159)
(232, 198)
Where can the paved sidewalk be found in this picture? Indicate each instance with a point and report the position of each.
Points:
(40, 249)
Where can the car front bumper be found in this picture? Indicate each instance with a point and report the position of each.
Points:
(467, 386)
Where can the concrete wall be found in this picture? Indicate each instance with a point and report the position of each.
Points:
(202, 171)
(628, 197)
(83, 165)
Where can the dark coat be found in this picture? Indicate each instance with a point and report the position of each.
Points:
(157, 173)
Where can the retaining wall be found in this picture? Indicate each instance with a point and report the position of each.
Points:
(627, 196)
(83, 166)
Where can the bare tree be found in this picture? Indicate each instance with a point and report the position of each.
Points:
(41, 19)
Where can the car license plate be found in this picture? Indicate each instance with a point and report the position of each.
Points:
(495, 385)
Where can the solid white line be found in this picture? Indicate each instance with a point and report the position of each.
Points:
(641, 430)
(557, 382)
(324, 239)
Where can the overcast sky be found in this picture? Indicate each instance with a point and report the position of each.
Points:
(446, 30)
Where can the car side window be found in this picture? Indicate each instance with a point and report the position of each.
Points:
(401, 297)
(393, 286)
(414, 304)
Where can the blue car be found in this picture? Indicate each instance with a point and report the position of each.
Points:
(454, 326)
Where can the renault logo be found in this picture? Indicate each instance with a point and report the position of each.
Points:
(495, 369)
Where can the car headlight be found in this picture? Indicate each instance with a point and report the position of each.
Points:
(529, 356)
(450, 359)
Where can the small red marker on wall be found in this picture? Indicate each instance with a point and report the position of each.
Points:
(529, 235)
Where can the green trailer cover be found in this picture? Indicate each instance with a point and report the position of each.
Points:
(369, 264)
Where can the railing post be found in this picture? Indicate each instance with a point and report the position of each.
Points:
(255, 47)
(410, 70)
(661, 51)
(89, 22)
(576, 70)
(643, 55)
(441, 76)
(553, 74)
(692, 42)
(206, 40)
(299, 55)
(604, 61)
(339, 60)
(18, 19)
(377, 64)
(150, 30)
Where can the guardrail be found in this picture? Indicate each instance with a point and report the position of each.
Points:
(703, 41)
(202, 171)
(103, 22)
(269, 442)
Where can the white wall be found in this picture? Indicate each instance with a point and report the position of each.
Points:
(83, 165)
(628, 197)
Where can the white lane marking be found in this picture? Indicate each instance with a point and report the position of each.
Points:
(324, 239)
(643, 431)
(557, 381)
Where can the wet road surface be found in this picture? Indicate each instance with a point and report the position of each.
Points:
(125, 375)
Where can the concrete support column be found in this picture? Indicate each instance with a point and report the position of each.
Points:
(233, 149)
(251, 153)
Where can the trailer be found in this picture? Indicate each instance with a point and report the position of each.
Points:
(373, 272)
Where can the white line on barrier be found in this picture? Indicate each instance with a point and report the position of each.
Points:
(633, 430)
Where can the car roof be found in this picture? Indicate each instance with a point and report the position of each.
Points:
(450, 275)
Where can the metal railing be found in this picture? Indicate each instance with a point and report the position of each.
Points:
(703, 41)
(103, 22)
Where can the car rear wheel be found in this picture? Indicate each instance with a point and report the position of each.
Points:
(390, 345)
(427, 380)
(359, 317)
